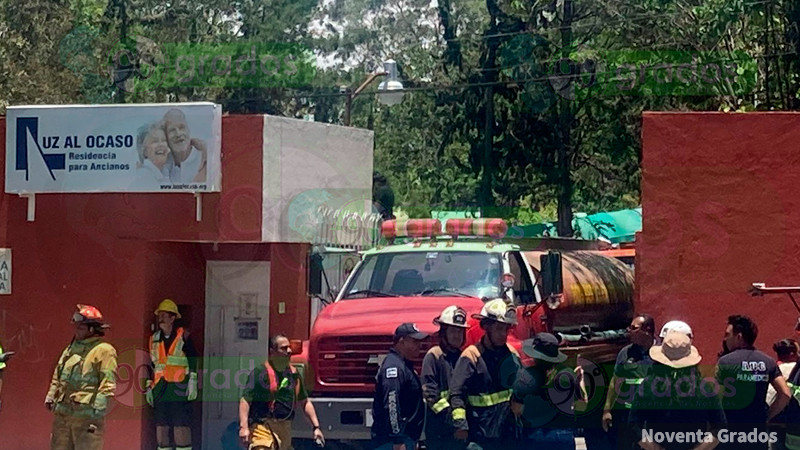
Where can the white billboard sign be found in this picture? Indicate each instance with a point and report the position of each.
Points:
(173, 147)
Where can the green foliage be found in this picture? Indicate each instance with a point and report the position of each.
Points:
(562, 135)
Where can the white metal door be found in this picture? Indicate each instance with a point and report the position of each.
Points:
(236, 341)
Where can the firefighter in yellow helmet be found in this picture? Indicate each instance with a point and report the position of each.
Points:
(82, 383)
(174, 383)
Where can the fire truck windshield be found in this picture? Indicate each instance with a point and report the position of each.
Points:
(433, 273)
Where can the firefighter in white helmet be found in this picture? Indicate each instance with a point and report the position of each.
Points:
(174, 383)
(437, 367)
(480, 387)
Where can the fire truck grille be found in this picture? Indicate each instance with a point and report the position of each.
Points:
(355, 359)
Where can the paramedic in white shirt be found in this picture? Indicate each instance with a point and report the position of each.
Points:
(189, 155)
(154, 156)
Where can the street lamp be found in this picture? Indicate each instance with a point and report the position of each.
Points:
(391, 90)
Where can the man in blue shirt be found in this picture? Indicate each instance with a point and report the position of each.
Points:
(398, 407)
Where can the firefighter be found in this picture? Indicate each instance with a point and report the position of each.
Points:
(480, 387)
(82, 383)
(174, 383)
(398, 409)
(437, 366)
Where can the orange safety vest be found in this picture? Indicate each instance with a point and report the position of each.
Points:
(273, 384)
(172, 366)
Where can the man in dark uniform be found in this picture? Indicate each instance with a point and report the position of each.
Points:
(397, 409)
(744, 375)
(436, 370)
(480, 387)
(630, 371)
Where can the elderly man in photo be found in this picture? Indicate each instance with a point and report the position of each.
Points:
(189, 155)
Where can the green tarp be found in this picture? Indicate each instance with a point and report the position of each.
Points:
(616, 226)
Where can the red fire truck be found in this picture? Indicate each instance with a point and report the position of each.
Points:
(583, 295)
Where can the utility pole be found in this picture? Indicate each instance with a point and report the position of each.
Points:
(566, 118)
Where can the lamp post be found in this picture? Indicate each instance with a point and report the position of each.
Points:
(387, 94)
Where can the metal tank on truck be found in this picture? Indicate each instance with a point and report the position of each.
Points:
(425, 268)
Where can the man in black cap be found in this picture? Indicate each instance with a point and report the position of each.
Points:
(541, 394)
(397, 409)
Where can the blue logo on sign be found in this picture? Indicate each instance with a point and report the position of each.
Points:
(53, 161)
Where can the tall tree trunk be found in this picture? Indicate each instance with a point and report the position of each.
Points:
(490, 75)
(566, 119)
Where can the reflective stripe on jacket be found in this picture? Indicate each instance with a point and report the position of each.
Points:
(480, 390)
(171, 365)
(437, 367)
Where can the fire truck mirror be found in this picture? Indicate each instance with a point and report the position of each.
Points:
(315, 274)
(552, 281)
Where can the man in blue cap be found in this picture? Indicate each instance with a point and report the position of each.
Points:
(398, 409)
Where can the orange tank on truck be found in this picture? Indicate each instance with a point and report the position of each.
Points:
(555, 286)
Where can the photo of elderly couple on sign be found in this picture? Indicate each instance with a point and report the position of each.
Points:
(168, 155)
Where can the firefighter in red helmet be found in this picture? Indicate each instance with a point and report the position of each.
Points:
(82, 383)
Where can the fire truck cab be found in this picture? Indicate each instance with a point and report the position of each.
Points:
(423, 269)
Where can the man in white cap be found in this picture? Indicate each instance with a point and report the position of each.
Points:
(676, 325)
(480, 388)
(437, 367)
(676, 400)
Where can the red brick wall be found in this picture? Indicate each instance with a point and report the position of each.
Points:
(721, 211)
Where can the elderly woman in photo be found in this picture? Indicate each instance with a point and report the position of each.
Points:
(154, 155)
